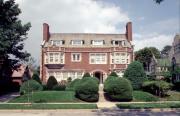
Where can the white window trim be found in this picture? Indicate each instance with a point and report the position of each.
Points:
(59, 57)
(121, 58)
(72, 60)
(97, 42)
(96, 62)
(72, 42)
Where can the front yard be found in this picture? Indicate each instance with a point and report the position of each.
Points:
(48, 106)
(47, 96)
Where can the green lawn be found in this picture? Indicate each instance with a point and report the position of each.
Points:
(47, 96)
(143, 96)
(48, 106)
(148, 105)
(173, 96)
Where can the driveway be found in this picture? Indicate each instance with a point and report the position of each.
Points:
(9, 96)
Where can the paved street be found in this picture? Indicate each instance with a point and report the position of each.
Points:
(102, 112)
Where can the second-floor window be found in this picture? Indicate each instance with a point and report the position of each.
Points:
(77, 42)
(119, 58)
(54, 58)
(98, 58)
(75, 57)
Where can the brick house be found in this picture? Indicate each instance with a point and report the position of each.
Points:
(65, 55)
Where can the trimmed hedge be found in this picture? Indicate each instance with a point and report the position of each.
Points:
(157, 87)
(114, 74)
(118, 89)
(51, 82)
(30, 86)
(87, 90)
(144, 96)
(86, 75)
(59, 87)
(72, 85)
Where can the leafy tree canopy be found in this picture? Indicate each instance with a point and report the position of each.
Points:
(12, 34)
(165, 51)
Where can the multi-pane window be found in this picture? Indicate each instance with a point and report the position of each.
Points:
(98, 58)
(75, 57)
(119, 58)
(54, 58)
(97, 42)
(118, 42)
(57, 42)
(77, 42)
(57, 75)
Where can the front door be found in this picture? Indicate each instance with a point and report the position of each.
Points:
(99, 75)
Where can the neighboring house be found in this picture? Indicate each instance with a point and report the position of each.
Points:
(20, 73)
(66, 55)
(175, 50)
(158, 66)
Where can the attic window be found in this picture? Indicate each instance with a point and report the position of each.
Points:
(118, 42)
(77, 42)
(97, 42)
(57, 42)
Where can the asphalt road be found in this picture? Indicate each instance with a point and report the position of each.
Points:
(101, 112)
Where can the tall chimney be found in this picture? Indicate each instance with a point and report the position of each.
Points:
(129, 31)
(45, 32)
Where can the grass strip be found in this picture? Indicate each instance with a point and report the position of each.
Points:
(148, 105)
(48, 106)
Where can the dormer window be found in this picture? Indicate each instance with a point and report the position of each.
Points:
(118, 42)
(77, 42)
(97, 42)
(57, 42)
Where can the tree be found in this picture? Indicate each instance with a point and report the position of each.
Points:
(144, 56)
(135, 73)
(12, 35)
(158, 1)
(165, 51)
(51, 82)
(36, 78)
(155, 52)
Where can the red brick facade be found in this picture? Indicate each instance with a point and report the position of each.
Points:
(67, 68)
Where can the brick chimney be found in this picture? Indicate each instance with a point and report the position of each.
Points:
(129, 31)
(45, 32)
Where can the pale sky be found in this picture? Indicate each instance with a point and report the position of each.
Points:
(153, 24)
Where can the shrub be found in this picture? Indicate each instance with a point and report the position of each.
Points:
(59, 87)
(157, 87)
(118, 89)
(144, 96)
(36, 78)
(87, 90)
(69, 79)
(114, 74)
(72, 85)
(86, 75)
(90, 79)
(135, 73)
(51, 82)
(29, 86)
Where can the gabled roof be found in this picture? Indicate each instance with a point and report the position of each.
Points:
(163, 62)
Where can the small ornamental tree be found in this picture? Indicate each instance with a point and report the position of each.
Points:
(86, 75)
(36, 78)
(30, 86)
(135, 73)
(114, 74)
(51, 82)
